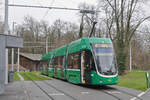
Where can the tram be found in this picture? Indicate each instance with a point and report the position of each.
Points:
(88, 61)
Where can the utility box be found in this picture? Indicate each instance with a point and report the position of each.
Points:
(7, 41)
(10, 76)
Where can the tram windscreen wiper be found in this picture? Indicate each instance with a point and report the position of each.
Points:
(109, 72)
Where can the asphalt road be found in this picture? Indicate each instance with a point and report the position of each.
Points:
(62, 90)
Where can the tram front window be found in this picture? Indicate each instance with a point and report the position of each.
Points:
(105, 58)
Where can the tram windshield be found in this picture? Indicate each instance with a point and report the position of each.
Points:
(105, 58)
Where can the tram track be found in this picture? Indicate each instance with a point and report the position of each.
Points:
(50, 97)
(103, 89)
(111, 95)
(121, 91)
(110, 90)
(130, 94)
(48, 84)
(105, 92)
(73, 98)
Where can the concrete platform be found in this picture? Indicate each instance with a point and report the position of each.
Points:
(6, 41)
(14, 91)
(61, 90)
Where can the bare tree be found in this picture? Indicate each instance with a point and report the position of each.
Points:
(71, 32)
(140, 51)
(63, 32)
(122, 15)
(1, 27)
(1, 22)
(35, 34)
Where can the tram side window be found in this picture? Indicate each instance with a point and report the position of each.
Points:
(70, 61)
(73, 61)
(41, 65)
(56, 61)
(47, 64)
(60, 61)
(44, 65)
(76, 61)
(63, 62)
(50, 63)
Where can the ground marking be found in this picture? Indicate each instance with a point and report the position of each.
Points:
(113, 92)
(56, 94)
(21, 78)
(84, 92)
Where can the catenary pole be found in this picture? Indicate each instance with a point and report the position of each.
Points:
(18, 67)
(12, 50)
(46, 44)
(12, 59)
(130, 57)
(6, 32)
(18, 60)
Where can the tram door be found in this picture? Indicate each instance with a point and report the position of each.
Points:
(62, 66)
(85, 67)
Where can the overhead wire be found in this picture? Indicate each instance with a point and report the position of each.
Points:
(62, 8)
(48, 9)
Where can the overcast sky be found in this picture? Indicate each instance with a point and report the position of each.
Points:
(17, 14)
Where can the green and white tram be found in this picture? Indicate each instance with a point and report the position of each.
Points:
(85, 61)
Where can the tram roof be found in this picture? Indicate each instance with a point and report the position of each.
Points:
(44, 57)
(75, 46)
(84, 43)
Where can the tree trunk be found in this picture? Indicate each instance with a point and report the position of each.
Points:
(81, 28)
(122, 53)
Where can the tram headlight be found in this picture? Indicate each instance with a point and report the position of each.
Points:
(100, 81)
(109, 80)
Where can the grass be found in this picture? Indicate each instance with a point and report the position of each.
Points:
(16, 77)
(135, 80)
(33, 76)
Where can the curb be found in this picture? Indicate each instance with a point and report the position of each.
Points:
(21, 78)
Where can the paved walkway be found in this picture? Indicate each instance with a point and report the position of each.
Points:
(14, 91)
